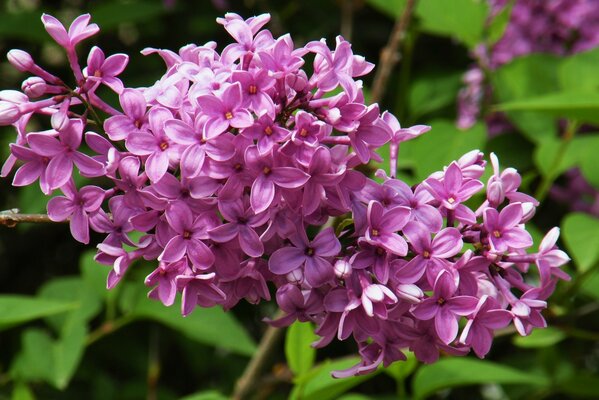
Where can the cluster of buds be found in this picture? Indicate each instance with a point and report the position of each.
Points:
(231, 164)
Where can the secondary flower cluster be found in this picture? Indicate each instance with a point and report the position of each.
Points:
(232, 162)
(536, 26)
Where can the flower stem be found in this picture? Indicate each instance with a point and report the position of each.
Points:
(390, 54)
(553, 172)
(249, 379)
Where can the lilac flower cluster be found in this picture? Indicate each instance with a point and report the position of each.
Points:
(536, 26)
(231, 162)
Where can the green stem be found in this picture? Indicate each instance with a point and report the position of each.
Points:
(553, 173)
(107, 328)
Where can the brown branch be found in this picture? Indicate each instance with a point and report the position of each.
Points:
(12, 218)
(248, 380)
(390, 54)
(347, 19)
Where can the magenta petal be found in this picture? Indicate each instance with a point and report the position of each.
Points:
(318, 271)
(285, 260)
(179, 132)
(80, 226)
(481, 341)
(199, 254)
(262, 194)
(27, 174)
(427, 309)
(87, 165)
(224, 233)
(59, 171)
(174, 250)
(250, 242)
(517, 238)
(214, 127)
(411, 271)
(447, 243)
(326, 243)
(179, 217)
(418, 236)
(393, 243)
(192, 160)
(167, 291)
(288, 177)
(157, 165)
(446, 326)
(60, 208)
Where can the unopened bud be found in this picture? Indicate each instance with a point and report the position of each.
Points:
(495, 193)
(9, 113)
(342, 269)
(34, 87)
(528, 211)
(20, 59)
(59, 121)
(295, 277)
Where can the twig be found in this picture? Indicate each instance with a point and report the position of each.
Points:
(347, 19)
(248, 380)
(390, 54)
(11, 218)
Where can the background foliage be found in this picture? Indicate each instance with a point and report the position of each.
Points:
(63, 336)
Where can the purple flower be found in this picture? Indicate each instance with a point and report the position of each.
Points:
(311, 255)
(190, 231)
(242, 222)
(155, 144)
(487, 317)
(133, 120)
(454, 189)
(199, 290)
(270, 176)
(383, 225)
(76, 205)
(78, 31)
(224, 111)
(503, 228)
(104, 70)
(62, 153)
(550, 258)
(164, 280)
(445, 308)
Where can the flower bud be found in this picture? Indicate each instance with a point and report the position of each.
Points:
(528, 211)
(342, 269)
(34, 87)
(495, 193)
(9, 113)
(20, 59)
(59, 121)
(295, 277)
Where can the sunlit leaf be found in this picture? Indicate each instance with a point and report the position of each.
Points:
(454, 372)
(540, 338)
(300, 355)
(211, 326)
(15, 309)
(581, 234)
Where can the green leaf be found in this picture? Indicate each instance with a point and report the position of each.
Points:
(514, 81)
(454, 372)
(318, 384)
(433, 91)
(590, 286)
(462, 19)
(15, 309)
(579, 72)
(298, 350)
(71, 289)
(437, 148)
(581, 235)
(579, 106)
(540, 338)
(499, 23)
(35, 361)
(68, 350)
(22, 392)
(581, 384)
(207, 395)
(211, 326)
(392, 8)
(402, 369)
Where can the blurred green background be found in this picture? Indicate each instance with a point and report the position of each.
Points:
(63, 336)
